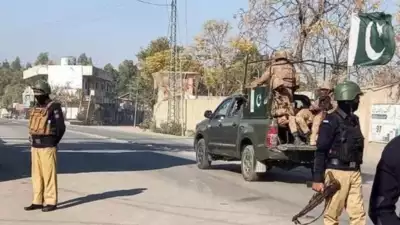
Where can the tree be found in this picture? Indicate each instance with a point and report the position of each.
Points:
(28, 65)
(6, 64)
(42, 59)
(311, 30)
(16, 64)
(222, 55)
(73, 60)
(158, 45)
(84, 60)
(127, 70)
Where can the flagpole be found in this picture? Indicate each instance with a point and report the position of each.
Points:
(359, 4)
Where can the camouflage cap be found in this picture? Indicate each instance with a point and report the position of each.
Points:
(280, 54)
(327, 85)
(41, 88)
(347, 91)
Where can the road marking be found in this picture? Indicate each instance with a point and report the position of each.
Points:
(98, 136)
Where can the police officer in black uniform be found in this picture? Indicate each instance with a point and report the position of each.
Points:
(340, 147)
(386, 188)
(46, 128)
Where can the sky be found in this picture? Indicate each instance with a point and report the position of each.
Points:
(107, 30)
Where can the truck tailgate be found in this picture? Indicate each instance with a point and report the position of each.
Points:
(292, 147)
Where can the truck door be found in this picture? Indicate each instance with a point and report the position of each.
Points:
(215, 125)
(228, 131)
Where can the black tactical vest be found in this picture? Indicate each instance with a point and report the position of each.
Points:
(350, 146)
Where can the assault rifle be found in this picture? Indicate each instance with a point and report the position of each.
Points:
(331, 187)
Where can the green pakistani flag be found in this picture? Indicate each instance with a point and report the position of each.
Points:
(257, 101)
(371, 39)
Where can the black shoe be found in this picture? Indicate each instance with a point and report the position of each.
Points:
(49, 208)
(33, 207)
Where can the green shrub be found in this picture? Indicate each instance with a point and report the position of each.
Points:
(172, 128)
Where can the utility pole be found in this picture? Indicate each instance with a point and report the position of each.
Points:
(172, 81)
(136, 97)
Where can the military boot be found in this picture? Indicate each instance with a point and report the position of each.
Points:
(297, 140)
(49, 208)
(33, 207)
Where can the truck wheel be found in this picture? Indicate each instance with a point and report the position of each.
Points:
(202, 155)
(249, 164)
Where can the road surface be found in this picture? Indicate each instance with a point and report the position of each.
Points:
(109, 177)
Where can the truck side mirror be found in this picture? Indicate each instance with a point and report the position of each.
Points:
(208, 114)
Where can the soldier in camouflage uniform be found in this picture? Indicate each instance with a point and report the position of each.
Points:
(283, 69)
(282, 110)
(282, 77)
(46, 128)
(323, 105)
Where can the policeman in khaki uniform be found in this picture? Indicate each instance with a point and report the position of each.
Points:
(46, 128)
(340, 147)
(281, 110)
(320, 109)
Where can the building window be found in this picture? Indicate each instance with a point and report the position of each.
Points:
(97, 85)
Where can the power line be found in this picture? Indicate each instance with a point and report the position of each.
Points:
(155, 4)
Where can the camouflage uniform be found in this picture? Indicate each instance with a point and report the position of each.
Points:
(46, 128)
(281, 110)
(281, 68)
(303, 119)
(283, 72)
(320, 112)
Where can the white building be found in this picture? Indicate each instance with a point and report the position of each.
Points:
(91, 80)
(27, 97)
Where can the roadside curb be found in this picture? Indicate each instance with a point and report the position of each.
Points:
(134, 131)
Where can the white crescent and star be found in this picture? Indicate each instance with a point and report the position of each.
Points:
(258, 100)
(371, 53)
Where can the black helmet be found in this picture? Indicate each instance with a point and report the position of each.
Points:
(41, 88)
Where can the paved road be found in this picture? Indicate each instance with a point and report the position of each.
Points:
(112, 177)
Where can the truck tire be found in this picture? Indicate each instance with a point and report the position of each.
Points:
(202, 155)
(248, 164)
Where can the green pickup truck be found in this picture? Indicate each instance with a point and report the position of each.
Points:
(241, 128)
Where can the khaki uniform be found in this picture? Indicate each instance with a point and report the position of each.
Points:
(282, 110)
(320, 114)
(349, 197)
(44, 175)
(43, 153)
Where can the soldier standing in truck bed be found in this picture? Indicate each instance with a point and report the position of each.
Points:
(46, 128)
(284, 71)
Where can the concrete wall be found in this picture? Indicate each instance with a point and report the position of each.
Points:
(388, 94)
(193, 110)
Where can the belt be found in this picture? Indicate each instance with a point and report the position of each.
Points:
(337, 162)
